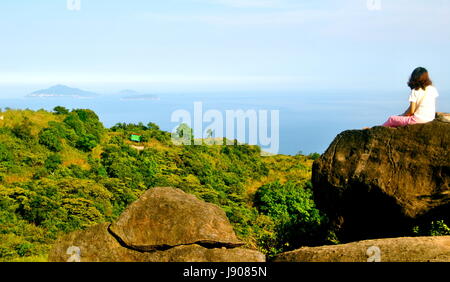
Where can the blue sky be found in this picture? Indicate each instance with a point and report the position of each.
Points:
(225, 44)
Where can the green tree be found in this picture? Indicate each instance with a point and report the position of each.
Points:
(87, 127)
(291, 207)
(86, 142)
(52, 162)
(59, 110)
(184, 134)
(5, 153)
(22, 130)
(49, 137)
(314, 156)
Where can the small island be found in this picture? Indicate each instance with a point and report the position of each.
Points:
(128, 94)
(62, 91)
(142, 97)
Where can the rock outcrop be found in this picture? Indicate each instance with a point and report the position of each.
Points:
(408, 249)
(380, 182)
(165, 217)
(164, 225)
(444, 117)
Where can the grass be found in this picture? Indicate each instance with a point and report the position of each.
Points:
(71, 156)
(39, 119)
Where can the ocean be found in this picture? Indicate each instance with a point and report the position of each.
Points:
(308, 121)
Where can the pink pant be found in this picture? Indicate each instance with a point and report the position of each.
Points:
(396, 121)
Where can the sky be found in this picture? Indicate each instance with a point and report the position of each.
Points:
(189, 45)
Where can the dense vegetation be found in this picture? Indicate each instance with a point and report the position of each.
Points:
(62, 171)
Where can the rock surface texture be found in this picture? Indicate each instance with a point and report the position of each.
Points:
(380, 182)
(408, 249)
(164, 225)
(169, 217)
(444, 117)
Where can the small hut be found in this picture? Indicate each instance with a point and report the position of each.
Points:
(135, 137)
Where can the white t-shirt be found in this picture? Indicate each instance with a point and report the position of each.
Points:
(426, 106)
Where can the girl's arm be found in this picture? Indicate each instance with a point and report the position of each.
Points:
(411, 110)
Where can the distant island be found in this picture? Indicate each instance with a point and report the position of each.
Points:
(62, 91)
(128, 94)
(141, 97)
(69, 92)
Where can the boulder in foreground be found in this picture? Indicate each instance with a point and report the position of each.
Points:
(407, 249)
(96, 244)
(164, 217)
(379, 183)
(164, 225)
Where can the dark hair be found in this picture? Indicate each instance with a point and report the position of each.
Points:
(419, 79)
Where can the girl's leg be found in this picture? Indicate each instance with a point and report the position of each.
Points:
(396, 121)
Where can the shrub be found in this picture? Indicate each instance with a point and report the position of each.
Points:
(314, 156)
(49, 137)
(291, 207)
(86, 142)
(52, 162)
(184, 134)
(87, 127)
(74, 122)
(59, 110)
(22, 130)
(48, 198)
(436, 227)
(5, 154)
(439, 228)
(90, 123)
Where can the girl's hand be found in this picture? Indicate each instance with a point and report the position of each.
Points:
(411, 110)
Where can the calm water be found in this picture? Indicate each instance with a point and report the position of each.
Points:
(308, 121)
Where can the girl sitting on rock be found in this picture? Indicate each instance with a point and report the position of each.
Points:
(422, 100)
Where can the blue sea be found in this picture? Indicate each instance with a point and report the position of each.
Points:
(309, 121)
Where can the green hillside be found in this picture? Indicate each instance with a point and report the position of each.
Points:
(62, 171)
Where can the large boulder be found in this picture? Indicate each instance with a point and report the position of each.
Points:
(408, 249)
(97, 244)
(169, 217)
(214, 241)
(196, 253)
(381, 182)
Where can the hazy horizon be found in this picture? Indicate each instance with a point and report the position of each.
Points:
(308, 120)
(327, 65)
(224, 45)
